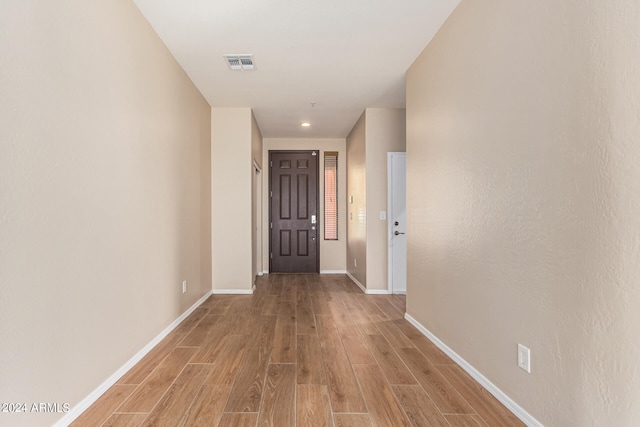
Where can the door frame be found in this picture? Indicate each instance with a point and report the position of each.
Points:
(257, 251)
(270, 189)
(390, 216)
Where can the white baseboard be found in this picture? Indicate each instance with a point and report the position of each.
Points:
(233, 291)
(82, 406)
(260, 273)
(265, 272)
(354, 280)
(365, 290)
(517, 410)
(378, 292)
(333, 272)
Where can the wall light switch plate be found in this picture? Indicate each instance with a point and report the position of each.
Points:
(350, 199)
(383, 215)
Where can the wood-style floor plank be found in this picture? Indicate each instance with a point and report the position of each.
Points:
(390, 363)
(226, 362)
(487, 406)
(388, 308)
(123, 420)
(465, 421)
(104, 406)
(151, 390)
(151, 360)
(286, 312)
(278, 402)
(199, 333)
(247, 389)
(352, 420)
(208, 406)
(306, 322)
(394, 335)
(304, 349)
(172, 408)
(426, 347)
(310, 367)
(443, 394)
(381, 402)
(313, 407)
(356, 347)
(319, 304)
(343, 386)
(238, 419)
(418, 406)
(327, 331)
(284, 343)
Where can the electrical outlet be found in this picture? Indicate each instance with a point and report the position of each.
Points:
(524, 358)
(184, 286)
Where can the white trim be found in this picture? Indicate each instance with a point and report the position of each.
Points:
(517, 410)
(378, 292)
(354, 280)
(85, 403)
(389, 226)
(232, 291)
(260, 273)
(333, 271)
(265, 272)
(365, 290)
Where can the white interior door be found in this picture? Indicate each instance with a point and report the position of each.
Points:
(397, 172)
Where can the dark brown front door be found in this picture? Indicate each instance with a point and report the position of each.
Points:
(293, 182)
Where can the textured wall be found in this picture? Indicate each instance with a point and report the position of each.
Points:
(231, 199)
(523, 200)
(385, 132)
(332, 252)
(103, 149)
(357, 210)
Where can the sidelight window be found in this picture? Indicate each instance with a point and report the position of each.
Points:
(331, 195)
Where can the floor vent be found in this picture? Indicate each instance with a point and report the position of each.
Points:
(240, 62)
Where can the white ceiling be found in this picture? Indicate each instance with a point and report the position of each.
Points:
(344, 55)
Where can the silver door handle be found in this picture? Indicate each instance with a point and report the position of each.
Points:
(397, 233)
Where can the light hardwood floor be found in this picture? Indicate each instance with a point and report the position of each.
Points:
(303, 350)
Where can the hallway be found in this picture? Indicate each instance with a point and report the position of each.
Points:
(302, 350)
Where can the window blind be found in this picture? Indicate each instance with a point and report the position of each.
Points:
(331, 195)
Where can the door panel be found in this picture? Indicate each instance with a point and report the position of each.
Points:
(294, 201)
(398, 195)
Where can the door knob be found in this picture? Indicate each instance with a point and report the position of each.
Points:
(397, 232)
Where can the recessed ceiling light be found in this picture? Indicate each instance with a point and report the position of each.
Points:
(305, 124)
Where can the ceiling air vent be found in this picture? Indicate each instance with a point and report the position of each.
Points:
(240, 62)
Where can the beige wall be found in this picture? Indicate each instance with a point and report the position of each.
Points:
(104, 147)
(523, 200)
(256, 199)
(231, 211)
(357, 202)
(377, 132)
(385, 132)
(332, 252)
